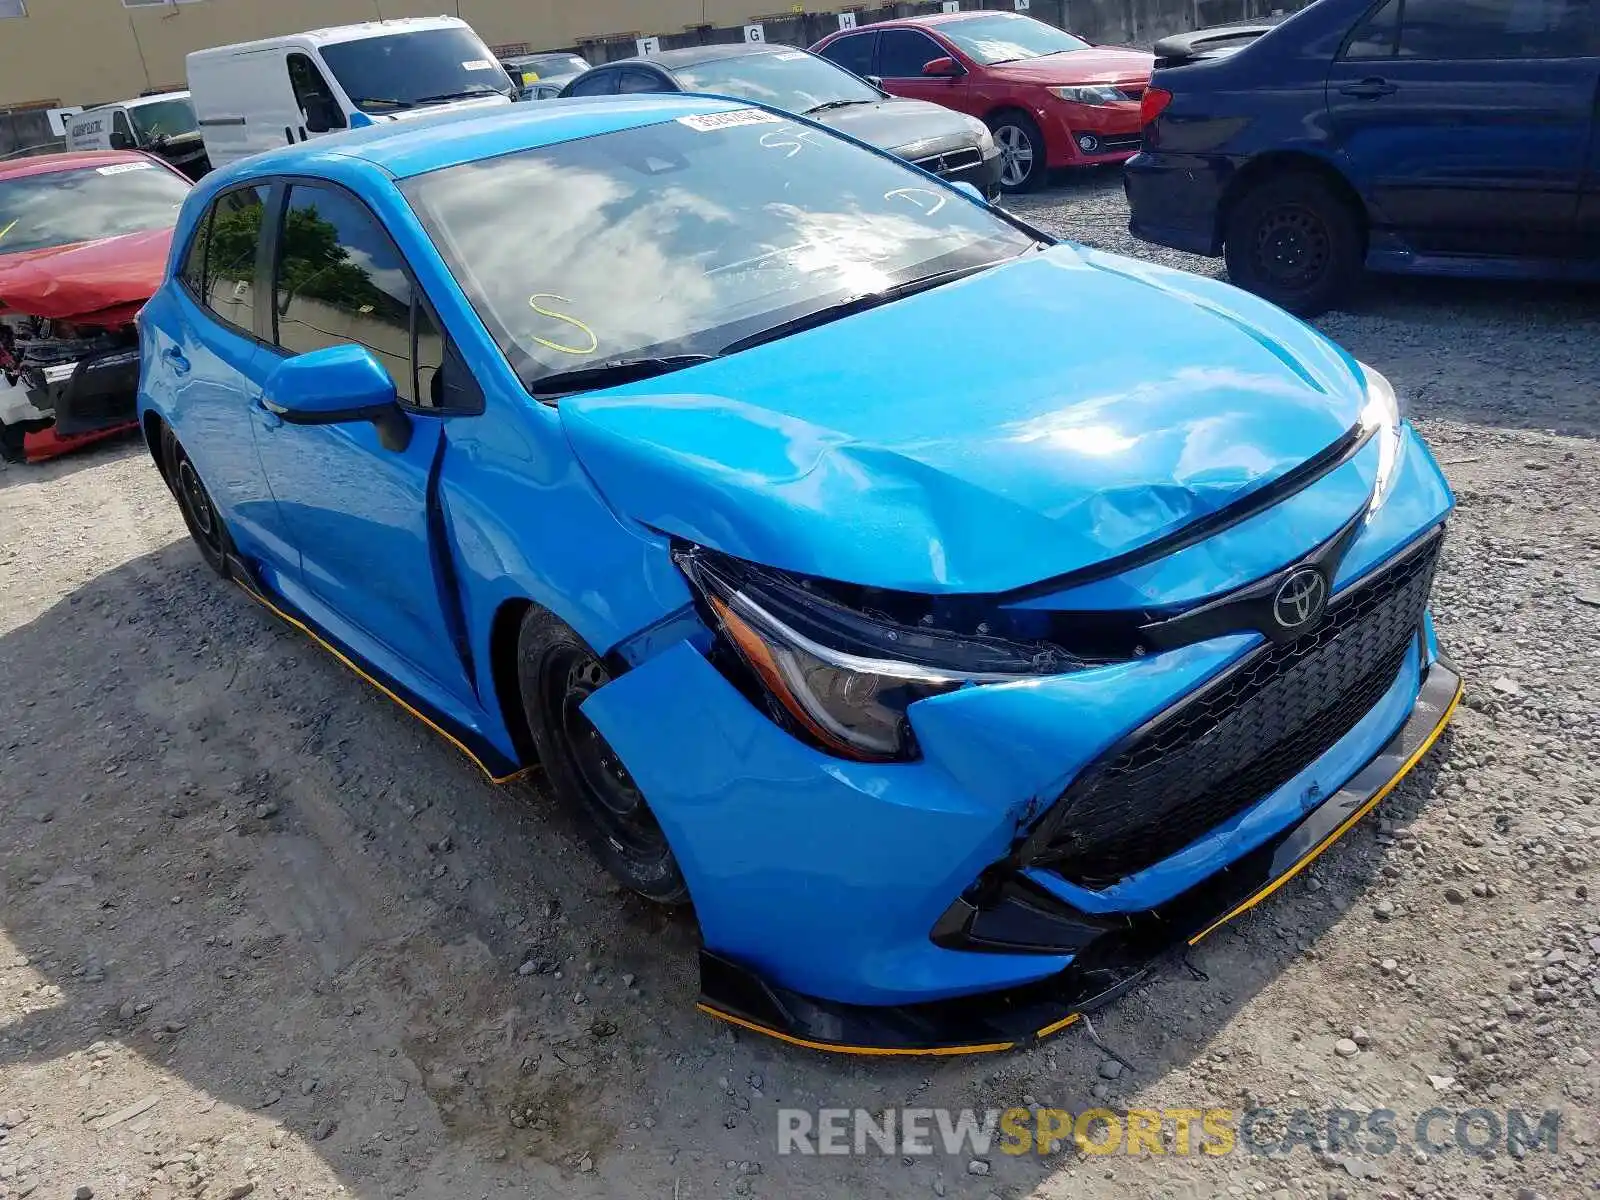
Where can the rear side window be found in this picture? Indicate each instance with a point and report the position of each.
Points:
(1375, 37)
(220, 268)
(642, 81)
(602, 83)
(853, 53)
(1475, 29)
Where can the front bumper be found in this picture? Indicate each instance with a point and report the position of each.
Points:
(89, 395)
(1113, 954)
(1088, 134)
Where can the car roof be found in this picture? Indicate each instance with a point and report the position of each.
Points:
(332, 34)
(431, 143)
(45, 164)
(688, 56)
(946, 18)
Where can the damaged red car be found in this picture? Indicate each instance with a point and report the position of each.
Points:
(83, 244)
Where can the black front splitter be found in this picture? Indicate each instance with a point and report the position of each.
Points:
(1115, 955)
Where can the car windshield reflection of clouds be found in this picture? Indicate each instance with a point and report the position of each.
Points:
(673, 238)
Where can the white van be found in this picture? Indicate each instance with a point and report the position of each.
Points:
(162, 124)
(258, 95)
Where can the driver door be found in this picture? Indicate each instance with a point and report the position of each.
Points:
(902, 53)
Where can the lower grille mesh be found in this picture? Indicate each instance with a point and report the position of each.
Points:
(1243, 737)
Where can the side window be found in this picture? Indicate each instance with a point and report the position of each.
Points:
(339, 280)
(853, 53)
(642, 81)
(429, 391)
(1376, 35)
(1504, 29)
(313, 95)
(902, 53)
(231, 237)
(194, 262)
(601, 83)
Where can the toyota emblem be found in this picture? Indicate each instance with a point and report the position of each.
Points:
(1300, 600)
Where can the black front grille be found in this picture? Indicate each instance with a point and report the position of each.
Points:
(952, 162)
(1242, 737)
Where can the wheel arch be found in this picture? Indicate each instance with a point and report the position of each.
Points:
(151, 427)
(1282, 162)
(504, 629)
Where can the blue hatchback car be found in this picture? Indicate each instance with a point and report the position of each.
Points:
(824, 535)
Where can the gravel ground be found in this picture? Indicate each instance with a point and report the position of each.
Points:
(262, 933)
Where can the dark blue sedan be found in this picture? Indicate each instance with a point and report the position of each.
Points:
(1435, 137)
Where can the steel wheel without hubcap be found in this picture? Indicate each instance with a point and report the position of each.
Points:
(1292, 247)
(194, 502)
(605, 789)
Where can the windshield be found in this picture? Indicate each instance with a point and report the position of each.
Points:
(546, 66)
(791, 79)
(687, 236)
(1008, 37)
(164, 118)
(404, 70)
(62, 207)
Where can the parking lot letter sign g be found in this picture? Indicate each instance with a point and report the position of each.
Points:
(755, 34)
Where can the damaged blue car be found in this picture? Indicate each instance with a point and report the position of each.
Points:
(958, 618)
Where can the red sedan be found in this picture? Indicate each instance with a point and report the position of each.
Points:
(83, 244)
(1052, 99)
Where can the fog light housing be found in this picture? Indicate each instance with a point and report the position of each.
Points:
(1088, 143)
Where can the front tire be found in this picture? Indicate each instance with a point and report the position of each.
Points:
(557, 672)
(1023, 163)
(1295, 241)
(199, 513)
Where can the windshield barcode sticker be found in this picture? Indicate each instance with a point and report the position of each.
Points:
(477, 64)
(709, 122)
(124, 168)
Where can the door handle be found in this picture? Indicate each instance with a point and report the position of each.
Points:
(268, 418)
(176, 360)
(1369, 89)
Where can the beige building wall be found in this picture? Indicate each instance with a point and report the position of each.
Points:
(90, 51)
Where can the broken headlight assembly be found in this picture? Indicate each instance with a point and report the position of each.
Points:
(839, 676)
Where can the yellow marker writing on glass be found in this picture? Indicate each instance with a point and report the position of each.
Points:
(594, 342)
(9, 228)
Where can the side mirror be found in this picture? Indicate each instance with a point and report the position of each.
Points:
(943, 68)
(317, 120)
(876, 81)
(122, 141)
(338, 386)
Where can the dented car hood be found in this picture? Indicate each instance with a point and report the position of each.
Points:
(990, 433)
(103, 282)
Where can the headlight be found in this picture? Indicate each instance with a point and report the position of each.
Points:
(841, 676)
(1384, 414)
(1091, 94)
(985, 139)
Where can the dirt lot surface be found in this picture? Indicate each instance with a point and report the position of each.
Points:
(262, 933)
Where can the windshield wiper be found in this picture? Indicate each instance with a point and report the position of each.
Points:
(481, 89)
(857, 304)
(826, 105)
(610, 374)
(366, 100)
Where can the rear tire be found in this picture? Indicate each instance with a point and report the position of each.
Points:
(199, 513)
(556, 673)
(1023, 162)
(1295, 241)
